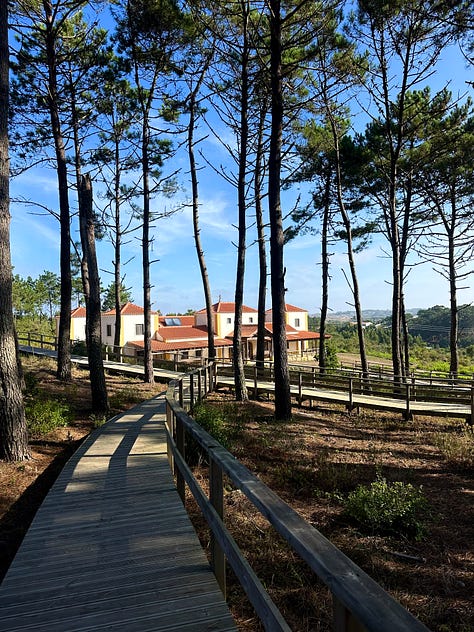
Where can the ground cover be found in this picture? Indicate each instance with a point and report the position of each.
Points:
(314, 463)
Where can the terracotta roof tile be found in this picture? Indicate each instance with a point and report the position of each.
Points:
(182, 333)
(288, 308)
(226, 307)
(78, 312)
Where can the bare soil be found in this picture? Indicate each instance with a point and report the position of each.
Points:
(312, 464)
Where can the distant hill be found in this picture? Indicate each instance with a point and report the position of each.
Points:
(367, 314)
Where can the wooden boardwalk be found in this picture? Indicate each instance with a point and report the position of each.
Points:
(112, 547)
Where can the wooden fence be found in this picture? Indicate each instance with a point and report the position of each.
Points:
(359, 603)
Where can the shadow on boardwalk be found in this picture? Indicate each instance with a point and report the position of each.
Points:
(112, 547)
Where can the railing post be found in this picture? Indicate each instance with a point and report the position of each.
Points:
(180, 394)
(351, 393)
(181, 446)
(170, 435)
(199, 385)
(216, 496)
(407, 409)
(472, 406)
(300, 390)
(343, 619)
(255, 381)
(191, 390)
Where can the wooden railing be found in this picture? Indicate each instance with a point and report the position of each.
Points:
(418, 387)
(414, 389)
(359, 603)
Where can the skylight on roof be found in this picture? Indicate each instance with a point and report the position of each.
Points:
(172, 322)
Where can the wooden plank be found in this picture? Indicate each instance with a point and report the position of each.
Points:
(112, 546)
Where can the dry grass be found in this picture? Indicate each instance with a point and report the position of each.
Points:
(313, 463)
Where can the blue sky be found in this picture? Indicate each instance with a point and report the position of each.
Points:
(176, 279)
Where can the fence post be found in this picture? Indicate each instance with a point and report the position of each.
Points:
(343, 619)
(407, 414)
(181, 446)
(472, 406)
(351, 394)
(199, 385)
(216, 496)
(300, 384)
(180, 393)
(191, 390)
(255, 382)
(170, 435)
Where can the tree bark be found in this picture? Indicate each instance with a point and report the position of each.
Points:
(241, 393)
(93, 313)
(324, 274)
(13, 433)
(262, 252)
(149, 375)
(117, 249)
(211, 350)
(282, 378)
(64, 333)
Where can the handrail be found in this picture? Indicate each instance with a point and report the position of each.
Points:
(359, 603)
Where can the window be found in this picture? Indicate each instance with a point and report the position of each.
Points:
(139, 329)
(229, 321)
(251, 319)
(109, 330)
(297, 322)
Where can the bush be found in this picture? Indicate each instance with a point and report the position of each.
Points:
(45, 415)
(457, 448)
(388, 508)
(213, 421)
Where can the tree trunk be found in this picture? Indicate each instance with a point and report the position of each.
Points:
(13, 433)
(262, 254)
(93, 313)
(282, 378)
(453, 305)
(64, 333)
(237, 355)
(149, 375)
(350, 250)
(211, 350)
(117, 250)
(324, 274)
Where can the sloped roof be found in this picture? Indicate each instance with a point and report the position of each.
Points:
(78, 312)
(180, 333)
(129, 309)
(158, 345)
(288, 308)
(186, 320)
(226, 307)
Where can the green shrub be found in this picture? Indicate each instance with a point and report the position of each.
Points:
(388, 508)
(79, 347)
(457, 447)
(45, 415)
(213, 421)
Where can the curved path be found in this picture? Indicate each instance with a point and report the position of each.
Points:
(112, 547)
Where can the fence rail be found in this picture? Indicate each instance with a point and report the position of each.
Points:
(417, 388)
(359, 603)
